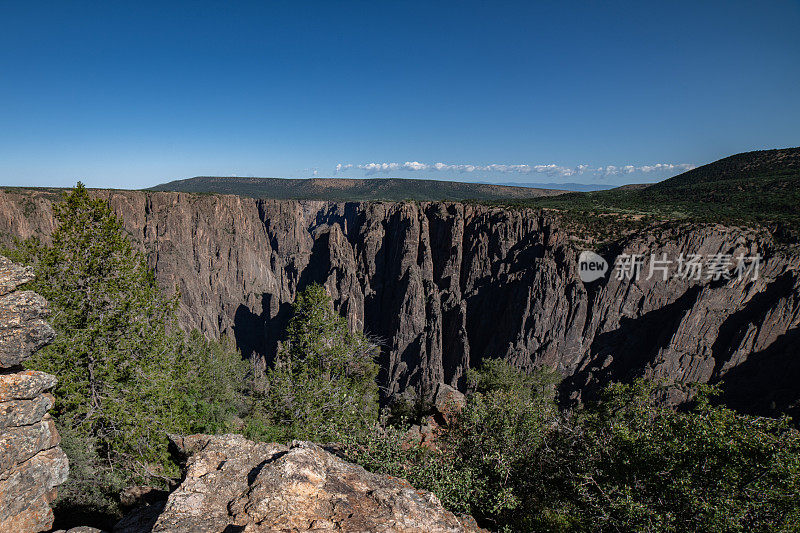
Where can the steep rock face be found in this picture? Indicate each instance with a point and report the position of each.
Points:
(232, 484)
(444, 285)
(31, 463)
(741, 332)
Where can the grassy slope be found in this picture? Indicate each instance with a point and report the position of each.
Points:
(753, 188)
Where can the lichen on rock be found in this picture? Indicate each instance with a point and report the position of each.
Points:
(233, 484)
(31, 463)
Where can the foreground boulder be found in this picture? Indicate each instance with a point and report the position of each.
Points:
(233, 484)
(31, 463)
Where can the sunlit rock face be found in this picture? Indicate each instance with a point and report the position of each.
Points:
(233, 484)
(31, 463)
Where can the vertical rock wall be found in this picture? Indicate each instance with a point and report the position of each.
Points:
(31, 463)
(443, 286)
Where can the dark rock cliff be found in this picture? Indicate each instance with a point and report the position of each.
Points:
(444, 285)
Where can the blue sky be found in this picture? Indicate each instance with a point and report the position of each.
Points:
(130, 94)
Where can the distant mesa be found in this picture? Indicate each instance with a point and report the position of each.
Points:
(349, 189)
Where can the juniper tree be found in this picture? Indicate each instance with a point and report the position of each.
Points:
(127, 375)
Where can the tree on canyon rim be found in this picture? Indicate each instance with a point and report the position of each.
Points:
(127, 375)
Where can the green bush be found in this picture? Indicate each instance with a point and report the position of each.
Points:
(640, 466)
(497, 436)
(212, 381)
(627, 463)
(483, 463)
(387, 450)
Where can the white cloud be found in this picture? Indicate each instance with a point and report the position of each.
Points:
(666, 166)
(415, 166)
(550, 169)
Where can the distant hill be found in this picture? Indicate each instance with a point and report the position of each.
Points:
(761, 187)
(759, 168)
(346, 189)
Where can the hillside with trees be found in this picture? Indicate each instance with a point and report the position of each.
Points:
(752, 188)
(353, 190)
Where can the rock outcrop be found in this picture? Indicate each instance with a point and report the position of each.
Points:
(31, 463)
(447, 403)
(232, 484)
(445, 285)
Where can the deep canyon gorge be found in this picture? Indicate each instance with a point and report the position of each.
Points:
(443, 286)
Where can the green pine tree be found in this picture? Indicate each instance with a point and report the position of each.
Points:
(323, 383)
(127, 375)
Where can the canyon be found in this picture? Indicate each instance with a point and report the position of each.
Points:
(442, 286)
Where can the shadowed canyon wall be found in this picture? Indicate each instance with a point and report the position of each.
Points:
(444, 285)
